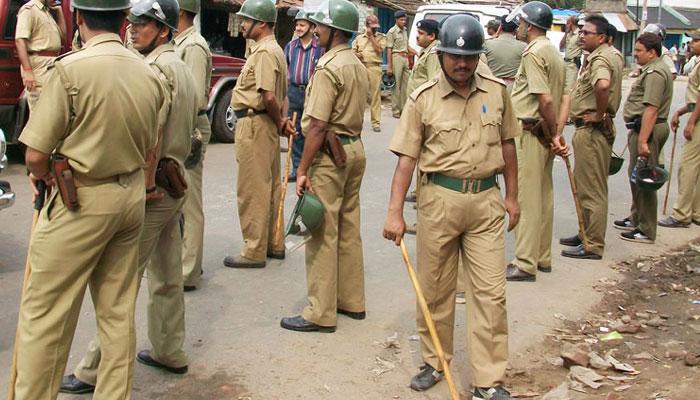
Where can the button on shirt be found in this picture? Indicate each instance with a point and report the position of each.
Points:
(453, 135)
(301, 61)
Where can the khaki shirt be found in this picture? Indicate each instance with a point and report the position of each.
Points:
(573, 49)
(194, 51)
(691, 95)
(668, 60)
(503, 55)
(653, 87)
(541, 72)
(456, 136)
(337, 92)
(180, 115)
(426, 68)
(98, 123)
(362, 45)
(397, 39)
(602, 63)
(265, 69)
(36, 25)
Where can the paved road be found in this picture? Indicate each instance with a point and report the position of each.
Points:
(235, 345)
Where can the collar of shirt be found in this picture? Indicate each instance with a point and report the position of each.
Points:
(446, 88)
(332, 52)
(312, 45)
(598, 50)
(160, 50)
(652, 63)
(183, 35)
(399, 29)
(40, 4)
(533, 42)
(102, 38)
(258, 44)
(429, 47)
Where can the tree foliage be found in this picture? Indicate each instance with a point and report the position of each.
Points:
(566, 4)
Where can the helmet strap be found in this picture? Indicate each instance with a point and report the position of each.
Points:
(330, 39)
(76, 27)
(154, 43)
(247, 33)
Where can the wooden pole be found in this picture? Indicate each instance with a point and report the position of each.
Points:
(429, 321)
(670, 170)
(577, 203)
(38, 205)
(278, 223)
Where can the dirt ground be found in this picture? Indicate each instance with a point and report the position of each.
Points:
(648, 321)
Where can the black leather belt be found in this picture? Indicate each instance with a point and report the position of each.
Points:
(246, 112)
(579, 122)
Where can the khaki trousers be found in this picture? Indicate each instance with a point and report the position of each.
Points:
(644, 202)
(470, 225)
(687, 207)
(40, 66)
(193, 214)
(375, 93)
(398, 93)
(96, 246)
(258, 184)
(160, 252)
(334, 260)
(533, 235)
(592, 154)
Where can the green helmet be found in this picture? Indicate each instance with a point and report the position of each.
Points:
(302, 15)
(309, 210)
(461, 34)
(193, 6)
(101, 5)
(647, 177)
(534, 13)
(164, 11)
(615, 164)
(338, 14)
(259, 10)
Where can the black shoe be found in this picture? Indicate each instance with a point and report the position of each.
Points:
(412, 229)
(189, 288)
(73, 385)
(636, 236)
(513, 273)
(276, 254)
(144, 357)
(299, 324)
(242, 262)
(572, 241)
(494, 393)
(670, 222)
(358, 315)
(581, 253)
(544, 268)
(624, 224)
(426, 378)
(292, 179)
(411, 197)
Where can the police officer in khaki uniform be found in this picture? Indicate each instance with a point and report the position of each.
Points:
(572, 51)
(646, 111)
(503, 53)
(687, 207)
(427, 66)
(194, 51)
(40, 30)
(335, 100)
(459, 130)
(259, 99)
(536, 95)
(397, 54)
(106, 141)
(153, 22)
(368, 47)
(595, 101)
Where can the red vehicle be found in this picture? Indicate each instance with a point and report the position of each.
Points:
(14, 110)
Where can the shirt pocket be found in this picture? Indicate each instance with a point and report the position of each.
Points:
(449, 136)
(491, 128)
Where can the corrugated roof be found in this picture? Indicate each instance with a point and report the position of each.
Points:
(670, 21)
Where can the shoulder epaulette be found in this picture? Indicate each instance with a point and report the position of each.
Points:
(491, 77)
(422, 88)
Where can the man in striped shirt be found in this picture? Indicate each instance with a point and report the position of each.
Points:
(301, 54)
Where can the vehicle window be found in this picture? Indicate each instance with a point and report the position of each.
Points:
(439, 17)
(11, 22)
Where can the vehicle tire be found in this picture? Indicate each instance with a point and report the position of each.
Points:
(223, 123)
